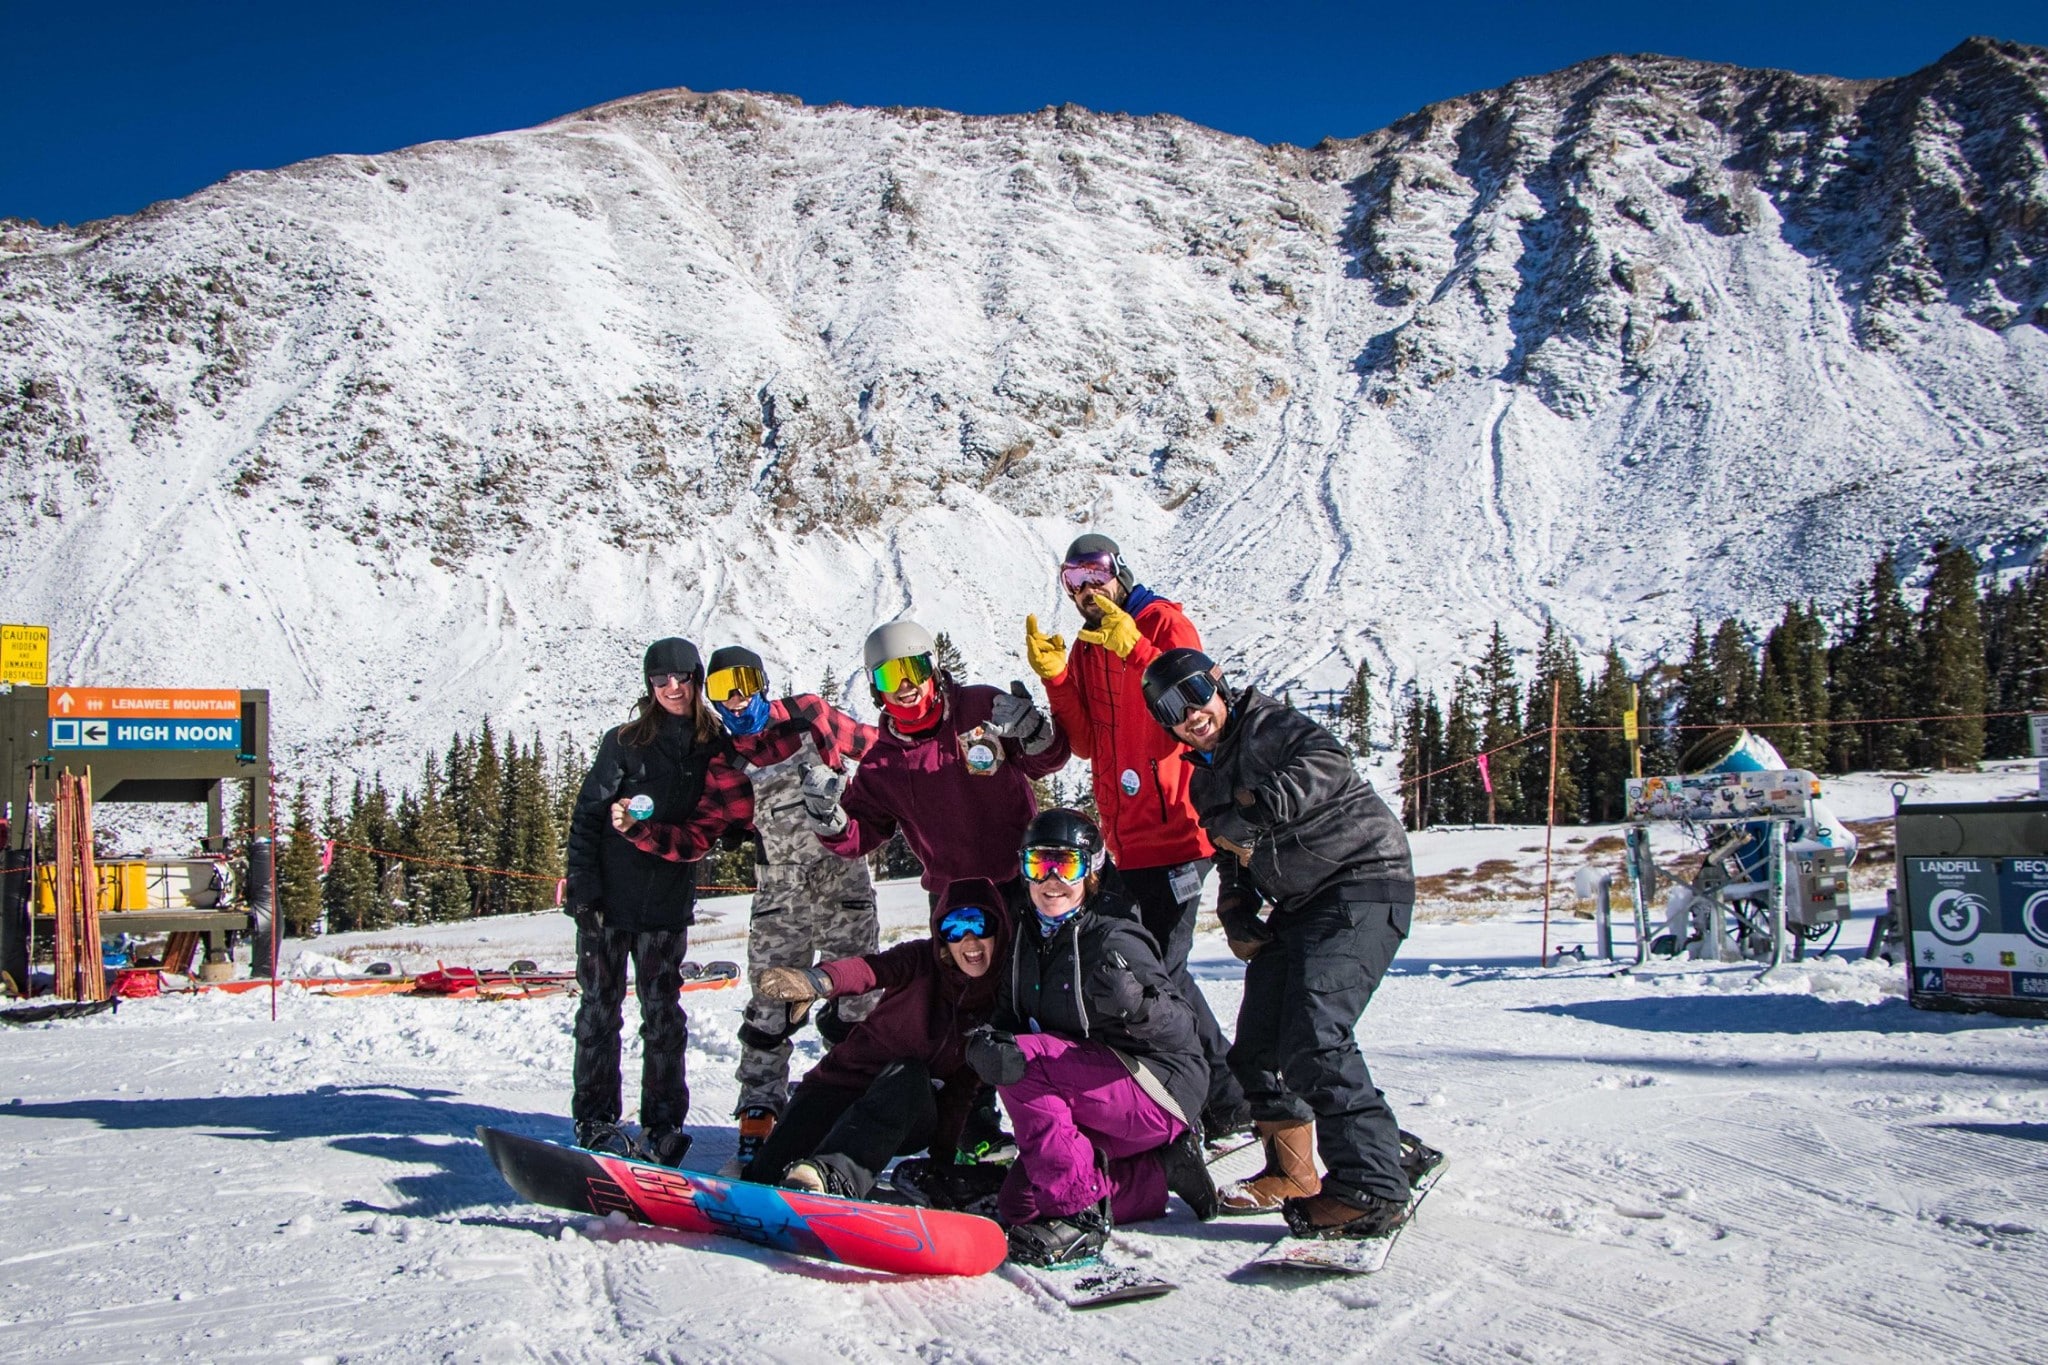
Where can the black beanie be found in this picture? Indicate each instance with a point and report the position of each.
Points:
(673, 655)
(736, 656)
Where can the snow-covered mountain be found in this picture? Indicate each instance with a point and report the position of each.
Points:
(455, 430)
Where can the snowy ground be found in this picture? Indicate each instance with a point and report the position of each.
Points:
(1683, 1163)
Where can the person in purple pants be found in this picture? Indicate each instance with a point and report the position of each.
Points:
(1095, 1055)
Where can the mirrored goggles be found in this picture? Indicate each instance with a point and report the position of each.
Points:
(1171, 707)
(657, 681)
(964, 921)
(890, 675)
(1069, 865)
(740, 681)
(1088, 571)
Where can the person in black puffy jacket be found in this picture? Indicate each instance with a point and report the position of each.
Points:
(662, 790)
(1095, 1055)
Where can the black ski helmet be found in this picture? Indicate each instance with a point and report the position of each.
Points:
(1092, 544)
(1064, 828)
(1173, 668)
(736, 656)
(673, 655)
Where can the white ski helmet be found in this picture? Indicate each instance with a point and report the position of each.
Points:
(897, 640)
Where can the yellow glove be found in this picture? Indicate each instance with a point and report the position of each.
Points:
(1047, 654)
(1118, 633)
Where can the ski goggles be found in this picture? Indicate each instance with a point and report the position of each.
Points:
(964, 921)
(657, 681)
(1092, 570)
(1069, 865)
(739, 681)
(891, 675)
(1191, 693)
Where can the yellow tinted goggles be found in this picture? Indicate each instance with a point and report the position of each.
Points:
(891, 675)
(741, 681)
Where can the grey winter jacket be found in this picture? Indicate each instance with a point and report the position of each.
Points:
(1099, 978)
(1282, 786)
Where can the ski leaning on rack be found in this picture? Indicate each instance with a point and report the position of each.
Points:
(889, 1237)
(1347, 1255)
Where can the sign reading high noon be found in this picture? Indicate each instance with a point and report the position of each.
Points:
(25, 655)
(145, 718)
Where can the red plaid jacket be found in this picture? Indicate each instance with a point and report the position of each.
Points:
(840, 737)
(727, 803)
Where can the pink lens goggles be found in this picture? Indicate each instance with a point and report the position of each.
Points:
(1088, 571)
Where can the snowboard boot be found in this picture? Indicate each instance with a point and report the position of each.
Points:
(605, 1137)
(666, 1146)
(1222, 1123)
(965, 1188)
(983, 1136)
(1290, 1170)
(1354, 1215)
(1187, 1173)
(1070, 1239)
(1418, 1158)
(757, 1121)
(816, 1177)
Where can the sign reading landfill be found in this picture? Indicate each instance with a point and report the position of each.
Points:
(1979, 926)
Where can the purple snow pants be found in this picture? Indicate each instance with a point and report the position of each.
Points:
(1077, 1099)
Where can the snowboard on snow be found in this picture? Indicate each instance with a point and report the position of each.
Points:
(1347, 1255)
(895, 1238)
(1095, 1283)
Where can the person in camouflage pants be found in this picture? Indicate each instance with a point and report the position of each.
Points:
(810, 905)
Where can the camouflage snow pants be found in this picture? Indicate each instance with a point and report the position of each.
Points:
(601, 955)
(804, 913)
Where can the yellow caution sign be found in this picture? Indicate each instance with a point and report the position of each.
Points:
(25, 655)
(1628, 725)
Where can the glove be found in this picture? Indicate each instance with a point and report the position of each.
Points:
(1120, 988)
(1243, 929)
(995, 1056)
(794, 983)
(821, 789)
(586, 916)
(1017, 717)
(1116, 632)
(1047, 654)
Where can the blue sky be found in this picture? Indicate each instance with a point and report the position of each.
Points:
(105, 108)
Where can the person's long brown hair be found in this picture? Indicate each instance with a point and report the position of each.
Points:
(647, 713)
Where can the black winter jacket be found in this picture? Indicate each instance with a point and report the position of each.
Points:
(1099, 978)
(632, 889)
(1282, 786)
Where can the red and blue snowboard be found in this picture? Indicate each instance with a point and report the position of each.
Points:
(899, 1239)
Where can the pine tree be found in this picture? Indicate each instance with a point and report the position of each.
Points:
(1603, 752)
(828, 687)
(1872, 674)
(1952, 682)
(298, 870)
(350, 891)
(1792, 692)
(947, 658)
(1557, 665)
(1500, 724)
(1433, 745)
(531, 845)
(2016, 661)
(440, 891)
(1415, 760)
(1698, 692)
(1354, 711)
(481, 823)
(1461, 796)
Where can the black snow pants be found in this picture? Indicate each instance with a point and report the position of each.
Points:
(1297, 1046)
(855, 1132)
(601, 956)
(1170, 919)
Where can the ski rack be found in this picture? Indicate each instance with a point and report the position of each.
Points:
(1774, 797)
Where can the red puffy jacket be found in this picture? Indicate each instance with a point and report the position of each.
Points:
(1141, 778)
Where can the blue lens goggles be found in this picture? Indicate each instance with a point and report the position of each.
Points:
(966, 921)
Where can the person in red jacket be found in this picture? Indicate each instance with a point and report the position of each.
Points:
(1141, 778)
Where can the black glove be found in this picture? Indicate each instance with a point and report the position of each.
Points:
(1119, 987)
(995, 1056)
(587, 918)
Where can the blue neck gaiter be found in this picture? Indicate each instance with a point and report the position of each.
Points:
(750, 720)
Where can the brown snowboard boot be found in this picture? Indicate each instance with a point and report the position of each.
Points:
(1290, 1170)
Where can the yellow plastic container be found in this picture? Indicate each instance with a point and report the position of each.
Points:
(123, 886)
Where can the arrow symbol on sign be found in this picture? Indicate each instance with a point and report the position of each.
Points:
(95, 732)
(64, 702)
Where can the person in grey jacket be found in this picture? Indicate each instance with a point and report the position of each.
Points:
(1295, 827)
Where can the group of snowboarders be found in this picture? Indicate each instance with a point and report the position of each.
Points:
(1055, 975)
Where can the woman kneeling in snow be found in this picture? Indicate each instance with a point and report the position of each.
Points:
(900, 1082)
(1095, 1055)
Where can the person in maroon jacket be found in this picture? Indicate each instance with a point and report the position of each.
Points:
(900, 1082)
(1140, 774)
(952, 769)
